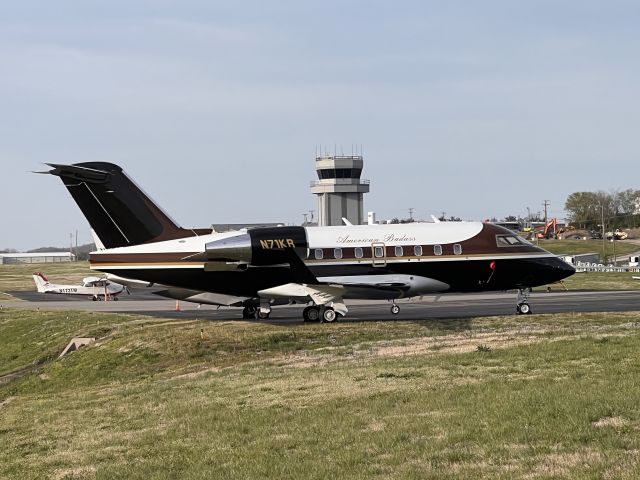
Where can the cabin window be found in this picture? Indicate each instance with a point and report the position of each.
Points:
(457, 249)
(318, 254)
(87, 284)
(437, 249)
(399, 251)
(511, 241)
(417, 250)
(358, 252)
(378, 252)
(337, 253)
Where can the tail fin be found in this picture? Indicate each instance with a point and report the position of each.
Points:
(41, 282)
(118, 211)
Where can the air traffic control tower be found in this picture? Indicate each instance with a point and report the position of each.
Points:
(339, 189)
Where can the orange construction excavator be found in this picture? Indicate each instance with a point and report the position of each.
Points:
(549, 229)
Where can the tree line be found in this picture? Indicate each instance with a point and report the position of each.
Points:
(620, 209)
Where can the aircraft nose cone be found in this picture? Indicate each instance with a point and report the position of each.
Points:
(543, 271)
(563, 268)
(557, 269)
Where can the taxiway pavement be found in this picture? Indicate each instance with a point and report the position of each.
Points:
(429, 307)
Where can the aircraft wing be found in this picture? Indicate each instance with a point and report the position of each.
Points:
(320, 294)
(206, 298)
(331, 291)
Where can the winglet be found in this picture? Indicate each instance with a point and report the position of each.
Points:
(347, 222)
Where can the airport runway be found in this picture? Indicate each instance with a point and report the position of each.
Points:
(430, 307)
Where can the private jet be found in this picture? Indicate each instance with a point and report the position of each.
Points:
(320, 267)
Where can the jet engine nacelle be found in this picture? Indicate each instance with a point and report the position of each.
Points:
(260, 246)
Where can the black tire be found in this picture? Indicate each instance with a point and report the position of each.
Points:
(313, 314)
(524, 309)
(262, 315)
(395, 309)
(305, 314)
(329, 315)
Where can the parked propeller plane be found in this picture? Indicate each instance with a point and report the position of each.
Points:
(93, 287)
(318, 266)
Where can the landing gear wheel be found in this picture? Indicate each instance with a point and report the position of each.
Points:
(94, 298)
(523, 309)
(260, 315)
(115, 299)
(329, 315)
(310, 314)
(395, 309)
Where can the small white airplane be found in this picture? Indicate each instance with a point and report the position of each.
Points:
(95, 288)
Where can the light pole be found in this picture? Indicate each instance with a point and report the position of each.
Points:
(604, 237)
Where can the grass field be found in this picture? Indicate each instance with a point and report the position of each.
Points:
(18, 277)
(555, 397)
(576, 247)
(597, 281)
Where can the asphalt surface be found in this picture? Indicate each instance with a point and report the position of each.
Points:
(453, 306)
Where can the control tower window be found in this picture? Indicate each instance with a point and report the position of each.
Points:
(330, 173)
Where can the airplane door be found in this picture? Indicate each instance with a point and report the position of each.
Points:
(378, 254)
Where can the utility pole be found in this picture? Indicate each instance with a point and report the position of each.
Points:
(546, 205)
(411, 214)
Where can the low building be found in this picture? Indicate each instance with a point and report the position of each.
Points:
(44, 257)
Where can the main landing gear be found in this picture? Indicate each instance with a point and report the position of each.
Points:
(522, 305)
(251, 313)
(395, 309)
(323, 314)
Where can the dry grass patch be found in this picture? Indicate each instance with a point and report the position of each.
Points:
(615, 422)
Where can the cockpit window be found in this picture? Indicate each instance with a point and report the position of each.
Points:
(511, 241)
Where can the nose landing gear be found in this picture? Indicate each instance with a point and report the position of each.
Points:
(522, 305)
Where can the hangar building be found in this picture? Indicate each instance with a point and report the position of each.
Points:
(45, 257)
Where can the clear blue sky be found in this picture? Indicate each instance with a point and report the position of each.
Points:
(477, 109)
